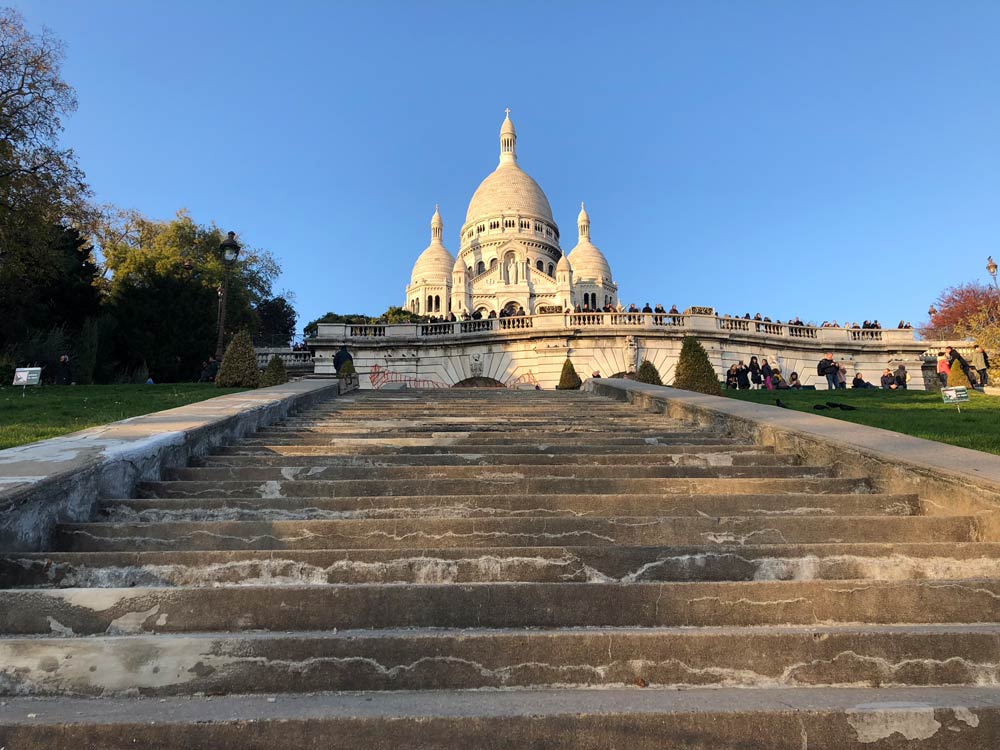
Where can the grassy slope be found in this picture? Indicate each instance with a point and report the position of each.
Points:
(50, 411)
(918, 413)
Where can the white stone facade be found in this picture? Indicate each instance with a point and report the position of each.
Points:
(509, 257)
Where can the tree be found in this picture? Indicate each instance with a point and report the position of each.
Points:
(399, 315)
(648, 373)
(312, 327)
(694, 370)
(274, 373)
(955, 307)
(239, 365)
(276, 322)
(162, 288)
(568, 379)
(40, 183)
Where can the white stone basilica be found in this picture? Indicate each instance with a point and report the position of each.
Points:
(509, 255)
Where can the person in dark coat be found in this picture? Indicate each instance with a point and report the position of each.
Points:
(64, 371)
(743, 376)
(341, 357)
(732, 380)
(755, 376)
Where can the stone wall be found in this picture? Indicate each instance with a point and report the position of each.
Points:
(530, 350)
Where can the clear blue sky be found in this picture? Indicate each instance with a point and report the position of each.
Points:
(826, 159)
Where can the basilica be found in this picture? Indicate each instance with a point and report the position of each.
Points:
(509, 258)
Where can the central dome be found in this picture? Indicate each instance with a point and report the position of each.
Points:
(508, 189)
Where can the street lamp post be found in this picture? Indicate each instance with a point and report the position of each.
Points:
(230, 251)
(991, 269)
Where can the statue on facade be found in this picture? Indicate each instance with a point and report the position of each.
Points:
(631, 352)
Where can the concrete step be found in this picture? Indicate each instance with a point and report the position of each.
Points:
(402, 447)
(528, 531)
(568, 472)
(397, 437)
(773, 657)
(738, 456)
(939, 718)
(776, 562)
(495, 605)
(468, 506)
(499, 483)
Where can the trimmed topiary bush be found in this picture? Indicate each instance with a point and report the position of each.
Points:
(346, 369)
(239, 365)
(956, 376)
(647, 373)
(274, 373)
(568, 380)
(694, 370)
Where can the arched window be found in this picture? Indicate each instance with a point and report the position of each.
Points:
(437, 303)
(416, 306)
(430, 304)
(493, 263)
(480, 267)
(470, 269)
(540, 266)
(552, 269)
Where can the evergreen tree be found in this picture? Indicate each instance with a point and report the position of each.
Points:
(648, 373)
(569, 380)
(239, 365)
(274, 373)
(694, 370)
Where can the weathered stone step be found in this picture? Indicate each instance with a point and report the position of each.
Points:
(787, 657)
(481, 423)
(466, 506)
(397, 437)
(960, 718)
(737, 456)
(531, 486)
(495, 605)
(509, 473)
(918, 561)
(432, 448)
(519, 532)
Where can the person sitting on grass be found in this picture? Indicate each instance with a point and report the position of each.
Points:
(902, 377)
(778, 382)
(888, 380)
(794, 383)
(860, 382)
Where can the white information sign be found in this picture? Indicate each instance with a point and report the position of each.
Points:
(27, 376)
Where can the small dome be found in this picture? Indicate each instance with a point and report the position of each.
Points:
(582, 217)
(589, 263)
(508, 125)
(435, 263)
(564, 264)
(459, 266)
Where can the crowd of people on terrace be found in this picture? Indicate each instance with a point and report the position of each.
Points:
(797, 321)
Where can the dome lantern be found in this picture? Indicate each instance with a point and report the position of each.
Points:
(508, 141)
(583, 222)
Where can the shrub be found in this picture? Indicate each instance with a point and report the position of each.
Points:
(568, 380)
(274, 373)
(647, 373)
(346, 369)
(694, 371)
(956, 377)
(239, 365)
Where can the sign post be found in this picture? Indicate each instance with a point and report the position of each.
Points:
(25, 376)
(955, 396)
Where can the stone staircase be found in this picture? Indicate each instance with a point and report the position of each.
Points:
(502, 569)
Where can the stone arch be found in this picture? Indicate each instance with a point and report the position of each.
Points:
(479, 382)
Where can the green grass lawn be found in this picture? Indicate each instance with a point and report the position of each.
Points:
(48, 411)
(918, 413)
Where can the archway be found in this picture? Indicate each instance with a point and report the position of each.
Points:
(510, 308)
(479, 382)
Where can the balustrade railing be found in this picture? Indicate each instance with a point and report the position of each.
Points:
(366, 330)
(472, 326)
(865, 334)
(635, 320)
(514, 323)
(437, 329)
(802, 332)
(734, 324)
